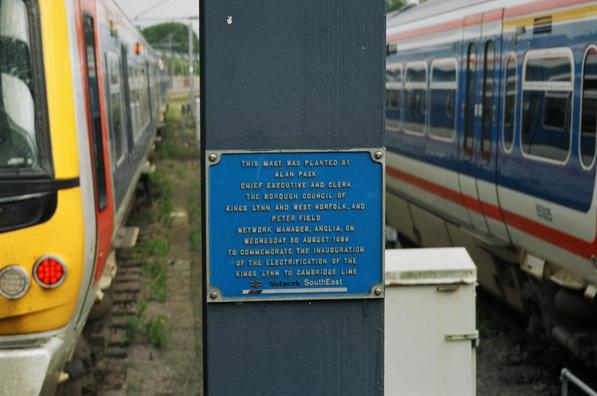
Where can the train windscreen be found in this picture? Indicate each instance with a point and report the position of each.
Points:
(20, 143)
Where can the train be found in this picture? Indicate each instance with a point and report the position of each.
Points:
(491, 117)
(83, 95)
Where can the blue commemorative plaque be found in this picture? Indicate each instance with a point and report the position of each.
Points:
(294, 225)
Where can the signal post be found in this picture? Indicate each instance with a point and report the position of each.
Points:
(293, 179)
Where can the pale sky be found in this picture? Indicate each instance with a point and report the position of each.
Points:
(151, 12)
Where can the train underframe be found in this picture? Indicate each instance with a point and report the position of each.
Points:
(554, 303)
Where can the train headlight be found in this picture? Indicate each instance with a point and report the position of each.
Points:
(49, 272)
(14, 282)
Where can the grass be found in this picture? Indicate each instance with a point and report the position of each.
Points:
(158, 290)
(162, 192)
(135, 329)
(195, 239)
(194, 219)
(156, 273)
(154, 247)
(152, 252)
(134, 390)
(158, 332)
(195, 207)
(155, 331)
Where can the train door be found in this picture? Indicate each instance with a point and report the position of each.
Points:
(482, 53)
(471, 56)
(490, 122)
(96, 122)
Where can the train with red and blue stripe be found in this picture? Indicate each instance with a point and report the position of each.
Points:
(82, 95)
(491, 118)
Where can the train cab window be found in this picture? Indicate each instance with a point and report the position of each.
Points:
(24, 144)
(510, 101)
(115, 105)
(588, 124)
(442, 122)
(94, 109)
(415, 100)
(547, 104)
(488, 107)
(393, 94)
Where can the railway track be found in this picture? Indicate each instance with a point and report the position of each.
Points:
(109, 336)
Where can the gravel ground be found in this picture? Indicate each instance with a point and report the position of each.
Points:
(508, 363)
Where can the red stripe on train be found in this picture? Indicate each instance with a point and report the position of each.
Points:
(540, 231)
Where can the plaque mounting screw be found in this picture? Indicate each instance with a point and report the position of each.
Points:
(213, 157)
(377, 291)
(378, 155)
(213, 295)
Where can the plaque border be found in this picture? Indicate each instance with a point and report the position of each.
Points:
(214, 295)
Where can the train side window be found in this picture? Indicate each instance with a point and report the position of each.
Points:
(510, 102)
(442, 122)
(116, 116)
(547, 104)
(488, 108)
(393, 96)
(469, 102)
(588, 125)
(415, 100)
(94, 104)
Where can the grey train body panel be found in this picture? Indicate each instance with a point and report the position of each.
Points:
(291, 75)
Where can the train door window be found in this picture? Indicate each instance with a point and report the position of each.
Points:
(94, 104)
(415, 101)
(116, 116)
(158, 96)
(469, 101)
(488, 107)
(126, 94)
(143, 97)
(393, 93)
(588, 125)
(442, 106)
(149, 92)
(547, 104)
(154, 91)
(134, 100)
(510, 101)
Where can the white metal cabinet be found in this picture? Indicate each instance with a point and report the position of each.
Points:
(430, 327)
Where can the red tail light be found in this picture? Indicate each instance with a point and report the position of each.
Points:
(49, 272)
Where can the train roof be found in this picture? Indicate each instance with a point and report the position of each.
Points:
(438, 11)
(429, 9)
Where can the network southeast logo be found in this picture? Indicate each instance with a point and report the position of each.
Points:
(256, 284)
(294, 287)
